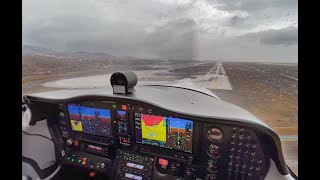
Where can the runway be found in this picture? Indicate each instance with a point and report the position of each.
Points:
(211, 80)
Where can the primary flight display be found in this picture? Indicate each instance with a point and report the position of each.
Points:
(90, 120)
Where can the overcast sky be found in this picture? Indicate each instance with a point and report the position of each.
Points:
(237, 30)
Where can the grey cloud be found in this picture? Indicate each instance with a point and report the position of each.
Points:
(285, 37)
(246, 49)
(75, 33)
(175, 39)
(256, 5)
(282, 37)
(121, 28)
(237, 21)
(260, 12)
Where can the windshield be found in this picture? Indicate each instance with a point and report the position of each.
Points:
(243, 51)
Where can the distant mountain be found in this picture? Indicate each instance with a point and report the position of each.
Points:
(33, 50)
(27, 49)
(91, 55)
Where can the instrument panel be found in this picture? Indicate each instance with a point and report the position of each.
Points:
(126, 136)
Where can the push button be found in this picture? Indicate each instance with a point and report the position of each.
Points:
(76, 142)
(92, 174)
(102, 165)
(84, 161)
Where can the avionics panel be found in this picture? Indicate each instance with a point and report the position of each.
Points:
(163, 131)
(225, 151)
(88, 120)
(133, 166)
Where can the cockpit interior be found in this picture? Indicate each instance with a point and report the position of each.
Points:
(145, 132)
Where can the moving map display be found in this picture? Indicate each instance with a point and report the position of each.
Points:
(90, 120)
(167, 132)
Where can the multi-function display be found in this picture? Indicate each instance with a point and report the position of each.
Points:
(166, 132)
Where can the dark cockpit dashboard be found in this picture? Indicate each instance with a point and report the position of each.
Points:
(157, 133)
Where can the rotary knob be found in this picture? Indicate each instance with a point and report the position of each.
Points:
(214, 134)
(102, 165)
(190, 173)
(175, 168)
(61, 114)
(69, 141)
(213, 151)
(211, 177)
(212, 165)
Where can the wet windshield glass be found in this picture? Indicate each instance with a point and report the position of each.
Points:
(243, 51)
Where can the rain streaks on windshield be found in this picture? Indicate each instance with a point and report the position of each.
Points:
(243, 51)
